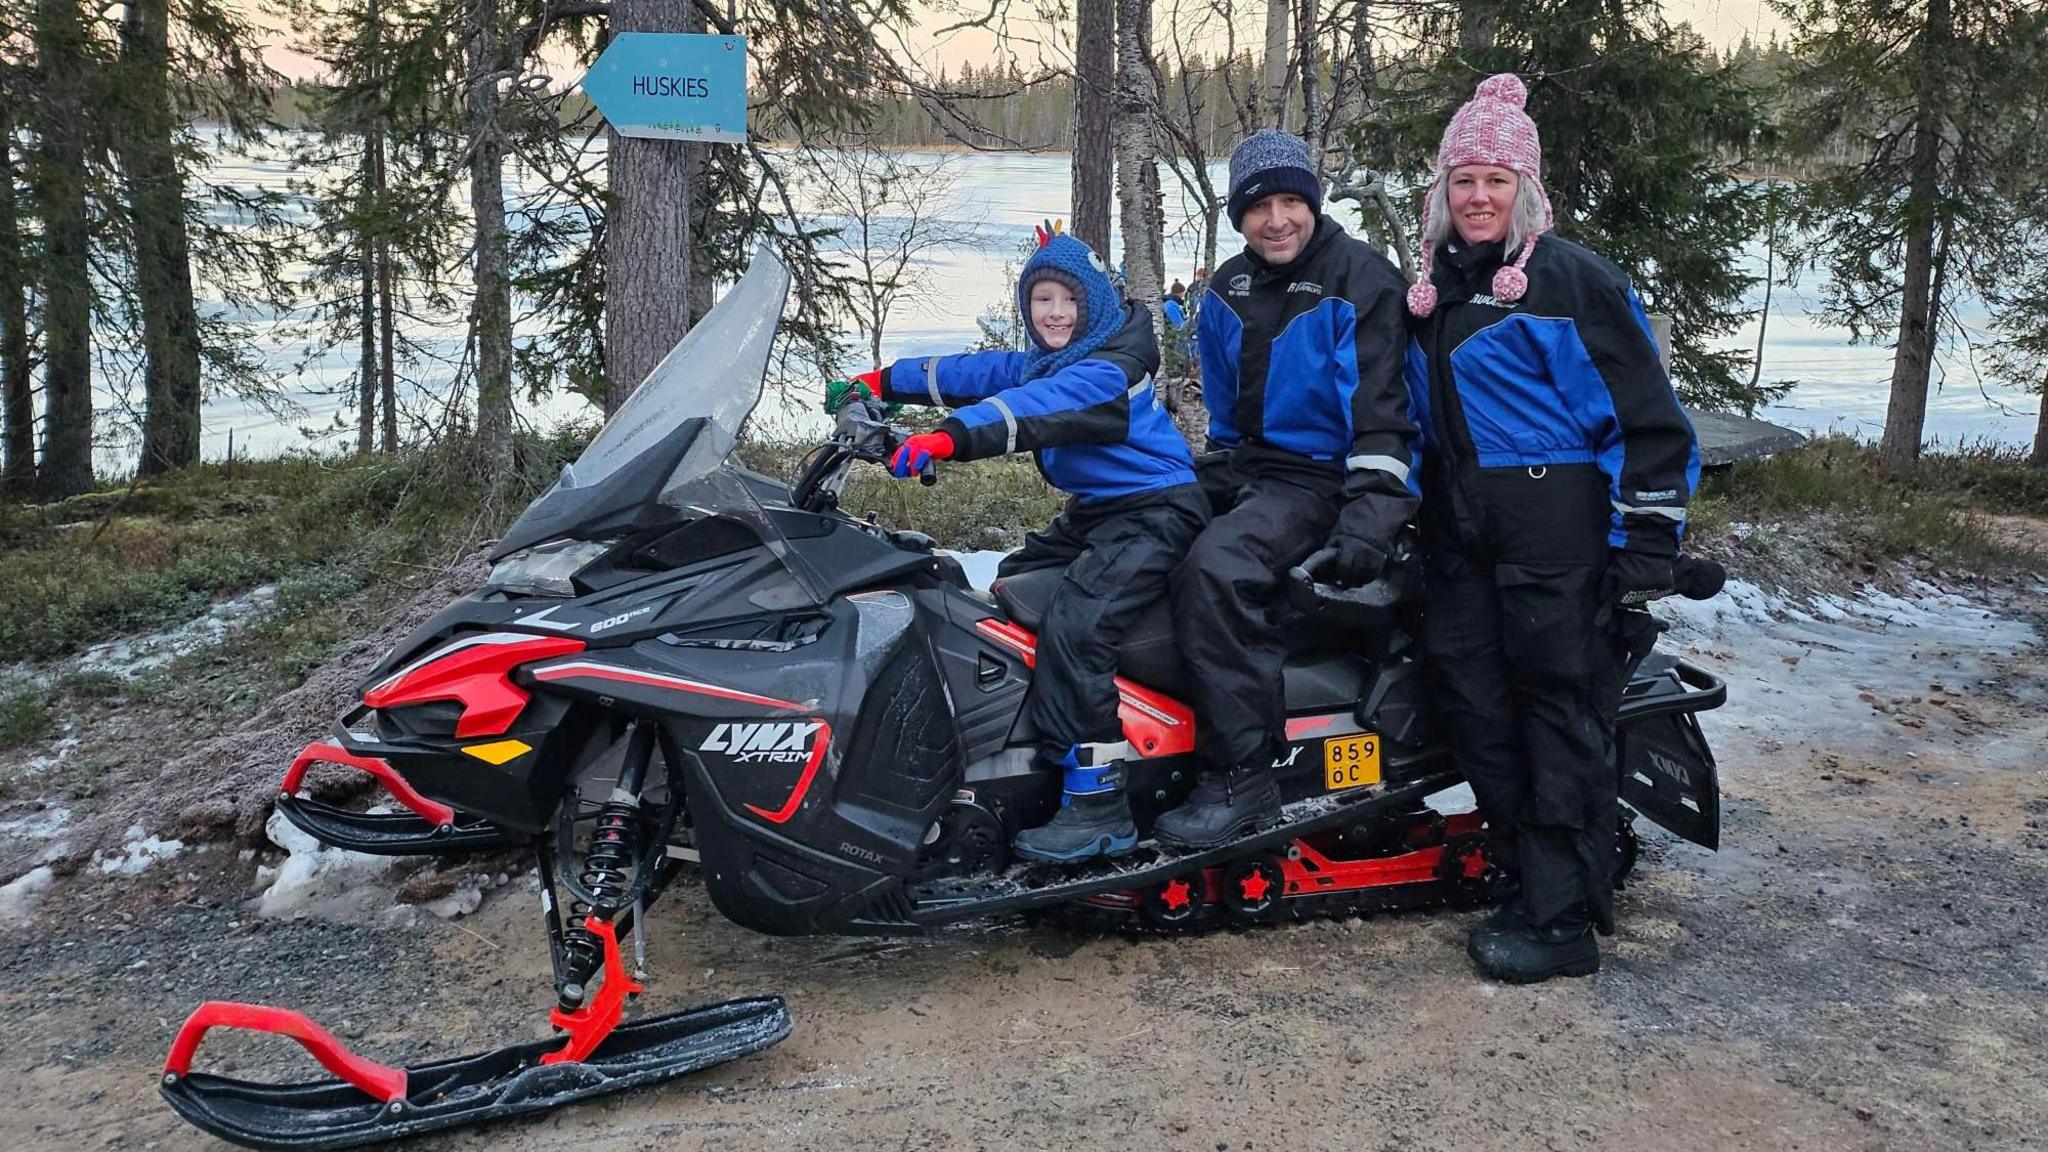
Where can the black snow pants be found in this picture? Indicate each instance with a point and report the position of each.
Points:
(1526, 666)
(1117, 554)
(1229, 600)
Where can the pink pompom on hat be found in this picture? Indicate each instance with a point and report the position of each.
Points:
(1490, 129)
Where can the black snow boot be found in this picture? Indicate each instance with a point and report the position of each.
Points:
(1094, 817)
(1524, 953)
(1223, 807)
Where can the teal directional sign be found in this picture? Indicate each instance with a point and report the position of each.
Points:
(673, 86)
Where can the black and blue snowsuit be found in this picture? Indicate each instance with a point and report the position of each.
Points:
(1553, 440)
(1091, 416)
(1301, 372)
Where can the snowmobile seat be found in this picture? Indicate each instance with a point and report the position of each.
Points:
(1322, 669)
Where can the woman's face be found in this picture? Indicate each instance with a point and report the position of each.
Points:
(1482, 201)
(1053, 312)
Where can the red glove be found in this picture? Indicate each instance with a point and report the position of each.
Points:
(918, 452)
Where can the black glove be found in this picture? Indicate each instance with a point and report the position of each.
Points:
(1356, 562)
(1636, 578)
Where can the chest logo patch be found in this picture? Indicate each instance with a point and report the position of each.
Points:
(1305, 286)
(1491, 302)
(1241, 284)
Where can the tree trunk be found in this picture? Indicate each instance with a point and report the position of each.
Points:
(17, 395)
(59, 179)
(2040, 457)
(1273, 88)
(1314, 117)
(366, 331)
(491, 315)
(163, 262)
(1912, 363)
(1136, 147)
(647, 232)
(697, 166)
(1094, 102)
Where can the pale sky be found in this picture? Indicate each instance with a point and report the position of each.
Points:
(1722, 22)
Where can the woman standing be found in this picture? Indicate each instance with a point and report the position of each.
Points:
(1556, 473)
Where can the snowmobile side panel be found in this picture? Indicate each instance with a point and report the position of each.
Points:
(510, 1081)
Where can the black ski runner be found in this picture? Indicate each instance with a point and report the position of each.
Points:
(372, 1103)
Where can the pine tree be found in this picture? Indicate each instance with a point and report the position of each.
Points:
(17, 398)
(1937, 106)
(59, 179)
(1094, 99)
(146, 141)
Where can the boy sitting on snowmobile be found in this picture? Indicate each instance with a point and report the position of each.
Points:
(1081, 399)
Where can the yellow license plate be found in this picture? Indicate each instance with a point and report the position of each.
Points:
(1351, 761)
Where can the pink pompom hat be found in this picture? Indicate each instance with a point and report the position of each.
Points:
(1490, 129)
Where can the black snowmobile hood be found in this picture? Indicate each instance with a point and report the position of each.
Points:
(674, 433)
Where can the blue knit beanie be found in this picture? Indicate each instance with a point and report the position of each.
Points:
(1269, 163)
(1075, 265)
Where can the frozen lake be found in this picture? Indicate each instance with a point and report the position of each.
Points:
(999, 197)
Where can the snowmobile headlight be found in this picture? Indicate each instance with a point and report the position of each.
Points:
(546, 569)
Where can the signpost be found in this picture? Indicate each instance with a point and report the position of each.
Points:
(673, 86)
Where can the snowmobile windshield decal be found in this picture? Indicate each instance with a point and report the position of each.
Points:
(583, 669)
(1155, 724)
(476, 672)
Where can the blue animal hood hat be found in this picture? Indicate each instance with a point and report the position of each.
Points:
(1062, 258)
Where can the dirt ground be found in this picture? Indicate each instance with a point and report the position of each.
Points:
(1863, 965)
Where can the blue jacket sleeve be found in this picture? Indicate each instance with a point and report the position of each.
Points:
(1607, 366)
(951, 381)
(1382, 487)
(1087, 402)
(1218, 333)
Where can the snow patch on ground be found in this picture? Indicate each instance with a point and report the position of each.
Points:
(131, 656)
(140, 854)
(316, 880)
(1831, 667)
(19, 897)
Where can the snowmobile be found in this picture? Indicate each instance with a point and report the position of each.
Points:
(677, 660)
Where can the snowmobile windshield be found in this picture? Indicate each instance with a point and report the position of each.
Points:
(668, 444)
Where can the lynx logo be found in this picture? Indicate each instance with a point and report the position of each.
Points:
(770, 743)
(615, 621)
(1287, 761)
(1241, 284)
(1669, 767)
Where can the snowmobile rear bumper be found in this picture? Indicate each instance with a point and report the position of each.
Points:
(426, 828)
(371, 1103)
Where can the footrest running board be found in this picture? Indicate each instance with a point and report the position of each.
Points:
(371, 1103)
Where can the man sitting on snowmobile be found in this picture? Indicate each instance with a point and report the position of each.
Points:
(1082, 399)
(1300, 339)
(1558, 465)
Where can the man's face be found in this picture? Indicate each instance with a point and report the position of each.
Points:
(1278, 226)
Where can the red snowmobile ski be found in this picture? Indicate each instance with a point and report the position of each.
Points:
(678, 660)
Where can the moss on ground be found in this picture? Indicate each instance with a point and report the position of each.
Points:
(1936, 511)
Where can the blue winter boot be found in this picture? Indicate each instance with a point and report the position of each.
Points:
(1094, 817)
